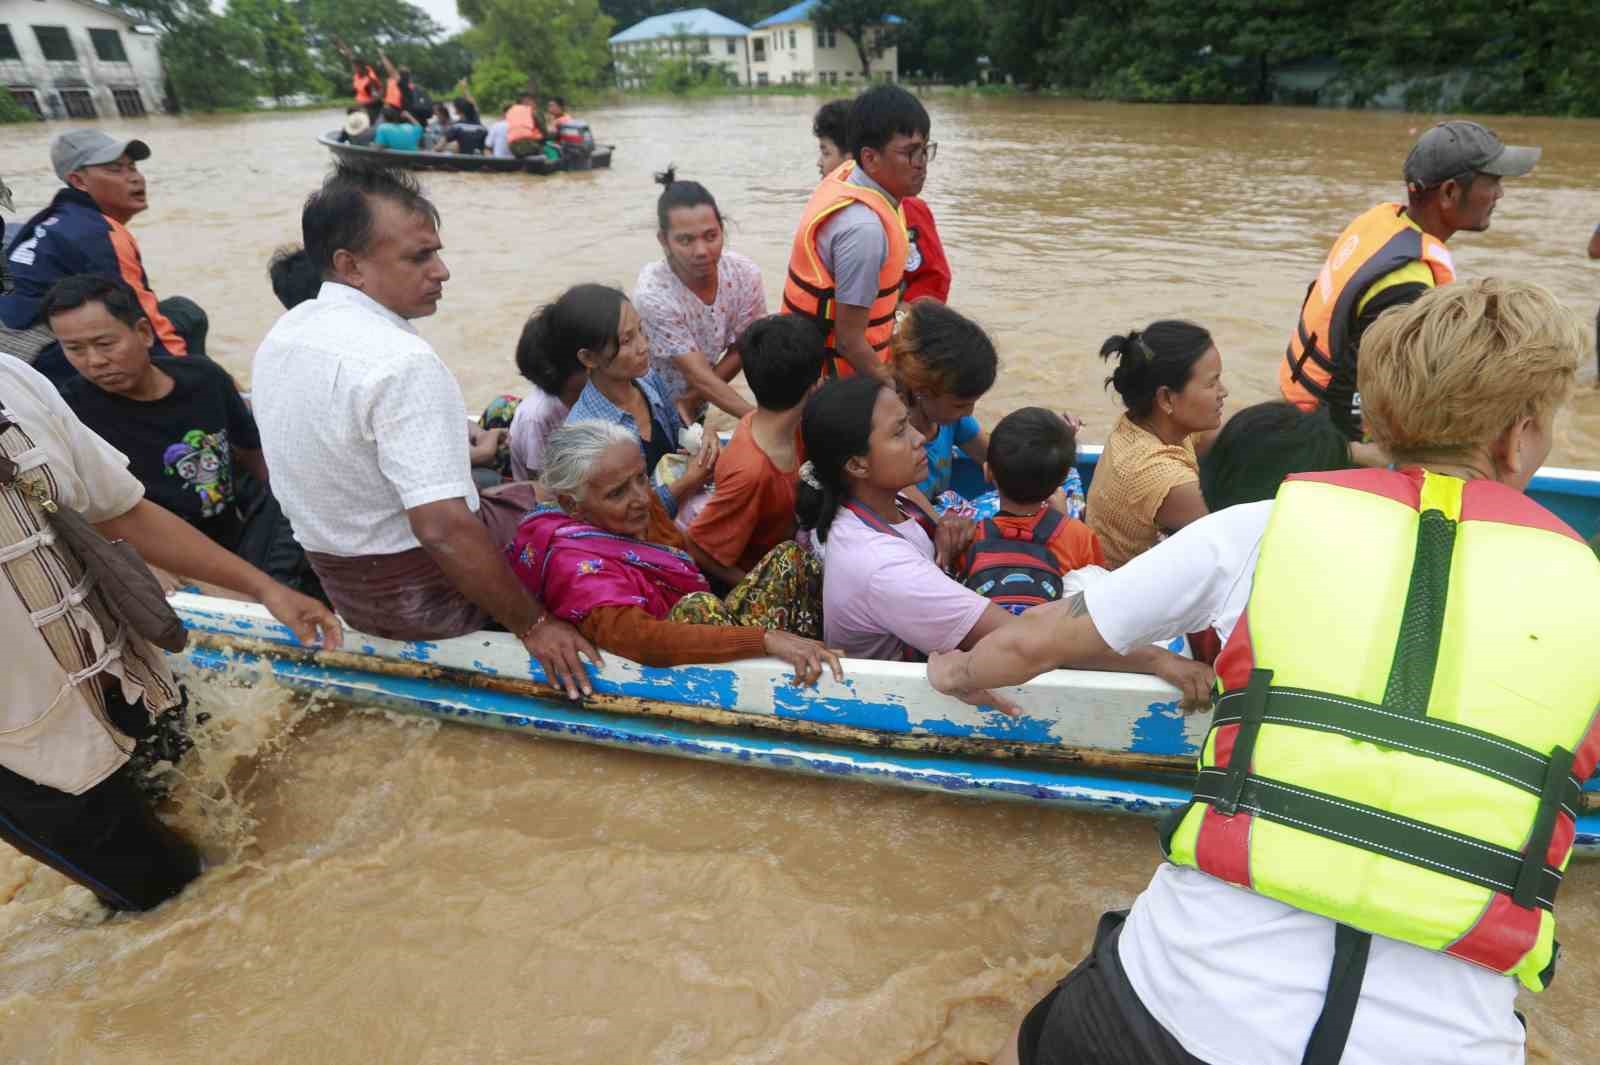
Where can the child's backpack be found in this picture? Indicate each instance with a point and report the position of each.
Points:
(1014, 572)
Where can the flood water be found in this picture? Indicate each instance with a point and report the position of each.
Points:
(388, 890)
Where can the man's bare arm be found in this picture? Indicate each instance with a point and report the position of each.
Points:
(850, 341)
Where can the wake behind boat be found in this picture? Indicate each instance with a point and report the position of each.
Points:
(451, 161)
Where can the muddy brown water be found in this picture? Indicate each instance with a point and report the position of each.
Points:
(387, 889)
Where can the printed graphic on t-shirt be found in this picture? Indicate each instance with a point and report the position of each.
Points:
(201, 460)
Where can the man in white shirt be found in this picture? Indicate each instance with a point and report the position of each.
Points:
(362, 426)
(1218, 963)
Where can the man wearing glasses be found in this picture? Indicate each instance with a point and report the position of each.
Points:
(1390, 256)
(850, 252)
(84, 230)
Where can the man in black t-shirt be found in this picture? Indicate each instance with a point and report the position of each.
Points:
(189, 437)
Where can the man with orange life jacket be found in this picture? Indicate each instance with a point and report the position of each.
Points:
(849, 255)
(1384, 808)
(523, 132)
(927, 267)
(1390, 256)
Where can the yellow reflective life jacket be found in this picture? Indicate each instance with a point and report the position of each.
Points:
(1319, 365)
(1402, 738)
(808, 289)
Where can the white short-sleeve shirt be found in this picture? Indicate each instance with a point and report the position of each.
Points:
(1236, 977)
(360, 421)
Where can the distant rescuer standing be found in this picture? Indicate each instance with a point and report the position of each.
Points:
(1390, 256)
(849, 255)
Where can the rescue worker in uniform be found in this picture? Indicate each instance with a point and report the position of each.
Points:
(1391, 255)
(1385, 802)
(850, 251)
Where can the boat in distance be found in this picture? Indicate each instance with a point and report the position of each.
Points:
(600, 159)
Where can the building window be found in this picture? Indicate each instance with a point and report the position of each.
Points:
(761, 78)
(827, 38)
(791, 40)
(129, 103)
(108, 46)
(733, 46)
(79, 103)
(758, 52)
(29, 99)
(8, 47)
(54, 43)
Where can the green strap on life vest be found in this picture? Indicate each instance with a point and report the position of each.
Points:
(1445, 741)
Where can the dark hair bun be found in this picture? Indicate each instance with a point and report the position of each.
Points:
(1162, 355)
(666, 177)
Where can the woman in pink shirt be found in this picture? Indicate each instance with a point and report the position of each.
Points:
(885, 592)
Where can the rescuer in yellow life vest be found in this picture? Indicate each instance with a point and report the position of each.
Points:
(1387, 796)
(849, 257)
(1389, 256)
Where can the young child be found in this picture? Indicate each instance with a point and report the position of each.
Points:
(943, 364)
(752, 509)
(1020, 555)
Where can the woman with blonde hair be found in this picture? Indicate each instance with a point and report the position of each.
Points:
(1384, 805)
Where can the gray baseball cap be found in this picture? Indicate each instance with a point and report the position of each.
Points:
(78, 148)
(1451, 149)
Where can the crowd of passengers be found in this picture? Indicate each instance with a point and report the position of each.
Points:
(596, 513)
(392, 113)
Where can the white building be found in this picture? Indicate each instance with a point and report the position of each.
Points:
(698, 34)
(789, 49)
(78, 59)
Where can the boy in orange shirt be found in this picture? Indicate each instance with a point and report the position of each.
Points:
(751, 510)
(1019, 556)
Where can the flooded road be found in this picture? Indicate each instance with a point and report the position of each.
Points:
(385, 890)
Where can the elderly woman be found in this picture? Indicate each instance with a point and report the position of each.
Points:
(1427, 625)
(609, 560)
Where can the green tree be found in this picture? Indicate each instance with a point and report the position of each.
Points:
(284, 61)
(11, 111)
(1022, 35)
(209, 60)
(941, 39)
(402, 29)
(863, 21)
(559, 44)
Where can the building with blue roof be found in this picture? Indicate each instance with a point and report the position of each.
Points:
(789, 49)
(698, 34)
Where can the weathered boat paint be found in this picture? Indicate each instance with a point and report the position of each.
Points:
(974, 777)
(1114, 711)
(1118, 712)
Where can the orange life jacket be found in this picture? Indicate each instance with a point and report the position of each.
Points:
(392, 96)
(520, 125)
(1378, 242)
(808, 290)
(366, 86)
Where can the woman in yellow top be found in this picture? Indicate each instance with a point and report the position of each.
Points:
(1147, 483)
